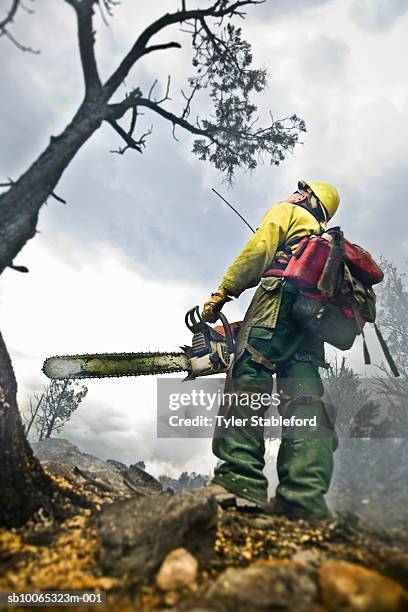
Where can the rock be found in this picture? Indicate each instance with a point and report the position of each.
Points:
(136, 534)
(122, 467)
(55, 452)
(63, 451)
(352, 588)
(178, 569)
(141, 482)
(60, 469)
(58, 454)
(184, 482)
(265, 585)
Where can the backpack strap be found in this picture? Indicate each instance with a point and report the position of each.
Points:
(386, 352)
(359, 324)
(383, 343)
(279, 262)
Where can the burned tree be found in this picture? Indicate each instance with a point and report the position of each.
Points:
(24, 486)
(54, 407)
(34, 407)
(229, 138)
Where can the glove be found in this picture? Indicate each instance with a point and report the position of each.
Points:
(213, 306)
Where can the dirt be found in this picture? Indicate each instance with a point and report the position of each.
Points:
(102, 548)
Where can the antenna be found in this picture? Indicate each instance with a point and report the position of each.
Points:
(234, 209)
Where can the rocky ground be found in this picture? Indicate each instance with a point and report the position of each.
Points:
(152, 550)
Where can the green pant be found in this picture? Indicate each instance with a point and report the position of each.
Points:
(305, 458)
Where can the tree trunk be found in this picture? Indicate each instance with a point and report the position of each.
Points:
(20, 205)
(24, 487)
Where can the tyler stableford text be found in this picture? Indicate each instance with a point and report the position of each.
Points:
(254, 421)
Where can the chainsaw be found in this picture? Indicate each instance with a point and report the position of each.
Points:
(212, 352)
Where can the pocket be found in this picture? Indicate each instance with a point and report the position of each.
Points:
(264, 308)
(260, 339)
(271, 283)
(262, 333)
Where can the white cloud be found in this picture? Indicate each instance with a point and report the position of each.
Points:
(93, 300)
(377, 14)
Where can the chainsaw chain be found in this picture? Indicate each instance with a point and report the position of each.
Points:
(102, 355)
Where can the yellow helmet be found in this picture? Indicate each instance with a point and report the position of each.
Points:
(327, 195)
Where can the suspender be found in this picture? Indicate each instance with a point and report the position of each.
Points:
(281, 258)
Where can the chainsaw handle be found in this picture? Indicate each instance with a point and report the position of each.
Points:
(228, 333)
(193, 320)
(195, 324)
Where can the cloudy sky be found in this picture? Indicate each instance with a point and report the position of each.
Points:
(142, 238)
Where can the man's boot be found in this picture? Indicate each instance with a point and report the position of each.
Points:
(226, 499)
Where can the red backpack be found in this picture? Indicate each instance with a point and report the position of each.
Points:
(336, 298)
(306, 266)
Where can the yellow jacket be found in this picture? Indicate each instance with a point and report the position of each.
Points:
(282, 223)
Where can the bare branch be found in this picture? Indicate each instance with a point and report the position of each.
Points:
(163, 46)
(58, 198)
(149, 95)
(26, 9)
(86, 38)
(118, 110)
(174, 133)
(10, 15)
(23, 269)
(106, 6)
(8, 20)
(133, 121)
(166, 95)
(131, 143)
(102, 14)
(33, 411)
(187, 108)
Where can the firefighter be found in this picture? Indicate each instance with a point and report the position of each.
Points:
(271, 342)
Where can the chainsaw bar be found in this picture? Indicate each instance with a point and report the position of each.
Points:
(109, 365)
